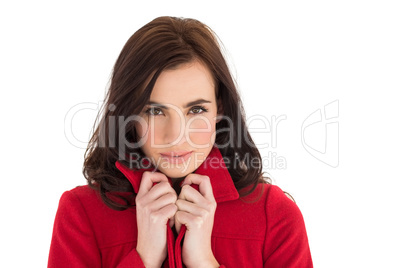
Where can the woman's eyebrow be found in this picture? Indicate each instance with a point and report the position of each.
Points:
(191, 103)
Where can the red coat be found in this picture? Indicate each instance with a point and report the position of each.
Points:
(264, 229)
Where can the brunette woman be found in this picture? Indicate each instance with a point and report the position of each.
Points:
(174, 177)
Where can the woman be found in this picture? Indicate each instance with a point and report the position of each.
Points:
(174, 178)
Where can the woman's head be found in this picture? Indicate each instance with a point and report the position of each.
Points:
(167, 64)
(177, 130)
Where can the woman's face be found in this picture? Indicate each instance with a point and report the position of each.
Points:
(180, 120)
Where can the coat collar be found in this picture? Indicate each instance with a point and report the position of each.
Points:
(214, 167)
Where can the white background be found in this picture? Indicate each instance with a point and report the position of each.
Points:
(288, 57)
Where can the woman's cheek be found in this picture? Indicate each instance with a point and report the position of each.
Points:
(155, 132)
(201, 131)
(141, 132)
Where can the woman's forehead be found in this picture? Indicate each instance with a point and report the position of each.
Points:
(184, 84)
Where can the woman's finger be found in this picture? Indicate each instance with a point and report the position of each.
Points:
(187, 219)
(164, 200)
(148, 180)
(203, 182)
(190, 194)
(159, 190)
(194, 209)
(164, 214)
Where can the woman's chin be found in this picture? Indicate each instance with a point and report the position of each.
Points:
(175, 173)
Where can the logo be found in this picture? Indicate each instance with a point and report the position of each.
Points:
(320, 134)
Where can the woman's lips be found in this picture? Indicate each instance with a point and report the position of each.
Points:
(176, 157)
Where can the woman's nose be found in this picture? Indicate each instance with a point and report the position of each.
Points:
(174, 133)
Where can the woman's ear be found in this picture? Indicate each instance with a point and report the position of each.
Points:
(219, 113)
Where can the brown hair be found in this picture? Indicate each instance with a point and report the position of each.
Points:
(165, 43)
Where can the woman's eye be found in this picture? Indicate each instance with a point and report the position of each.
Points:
(198, 110)
(153, 111)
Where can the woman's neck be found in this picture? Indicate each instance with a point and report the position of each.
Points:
(177, 183)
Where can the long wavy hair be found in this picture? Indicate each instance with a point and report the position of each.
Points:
(165, 43)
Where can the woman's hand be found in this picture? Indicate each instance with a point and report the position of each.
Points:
(196, 210)
(155, 205)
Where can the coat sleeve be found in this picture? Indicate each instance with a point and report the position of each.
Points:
(286, 242)
(73, 241)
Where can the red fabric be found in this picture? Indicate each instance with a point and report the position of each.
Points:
(264, 229)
